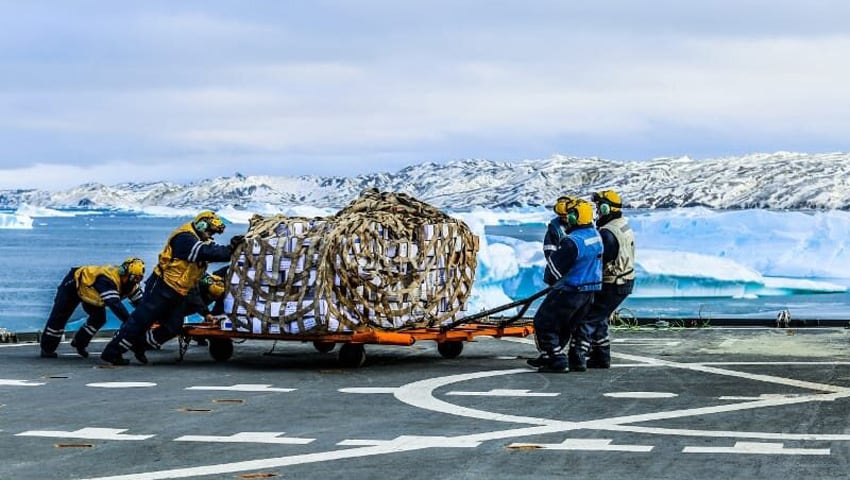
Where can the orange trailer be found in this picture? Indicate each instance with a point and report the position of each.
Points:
(352, 353)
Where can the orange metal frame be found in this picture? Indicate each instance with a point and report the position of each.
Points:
(462, 333)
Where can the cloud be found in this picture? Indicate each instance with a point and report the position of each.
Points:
(206, 88)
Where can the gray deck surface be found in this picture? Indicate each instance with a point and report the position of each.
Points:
(677, 404)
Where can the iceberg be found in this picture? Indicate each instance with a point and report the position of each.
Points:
(41, 212)
(696, 253)
(15, 221)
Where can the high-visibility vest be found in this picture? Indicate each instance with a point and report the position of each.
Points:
(622, 268)
(179, 274)
(85, 277)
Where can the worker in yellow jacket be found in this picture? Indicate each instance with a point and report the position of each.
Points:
(182, 263)
(95, 287)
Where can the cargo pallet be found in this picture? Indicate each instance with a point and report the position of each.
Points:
(352, 352)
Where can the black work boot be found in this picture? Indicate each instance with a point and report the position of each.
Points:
(578, 360)
(538, 362)
(46, 354)
(555, 364)
(600, 358)
(139, 353)
(113, 358)
(80, 348)
(549, 362)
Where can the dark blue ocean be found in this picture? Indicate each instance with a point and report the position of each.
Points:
(33, 261)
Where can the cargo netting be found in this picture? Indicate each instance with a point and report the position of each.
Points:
(386, 261)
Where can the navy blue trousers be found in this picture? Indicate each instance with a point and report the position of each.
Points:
(64, 303)
(160, 303)
(557, 318)
(592, 332)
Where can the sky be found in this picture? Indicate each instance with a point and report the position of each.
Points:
(138, 91)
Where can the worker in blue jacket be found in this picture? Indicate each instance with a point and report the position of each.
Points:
(575, 271)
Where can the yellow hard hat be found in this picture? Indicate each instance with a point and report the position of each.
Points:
(607, 201)
(575, 210)
(214, 284)
(583, 212)
(208, 222)
(562, 204)
(133, 268)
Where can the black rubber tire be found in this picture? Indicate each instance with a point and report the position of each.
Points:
(221, 349)
(450, 349)
(323, 347)
(351, 355)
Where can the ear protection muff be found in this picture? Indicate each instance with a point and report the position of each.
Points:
(133, 267)
(572, 217)
(202, 225)
(605, 201)
(563, 207)
(214, 284)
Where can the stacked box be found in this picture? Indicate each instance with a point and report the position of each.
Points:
(386, 261)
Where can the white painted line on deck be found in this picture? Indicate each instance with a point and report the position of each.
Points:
(654, 342)
(586, 445)
(756, 448)
(759, 397)
(405, 442)
(86, 433)
(121, 385)
(500, 392)
(685, 432)
(796, 364)
(247, 437)
(420, 394)
(243, 387)
(19, 383)
(640, 395)
(633, 342)
(19, 344)
(696, 367)
(368, 390)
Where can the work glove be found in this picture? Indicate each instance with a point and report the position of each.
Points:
(236, 240)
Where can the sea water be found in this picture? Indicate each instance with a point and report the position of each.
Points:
(34, 261)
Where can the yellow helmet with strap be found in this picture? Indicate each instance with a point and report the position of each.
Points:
(133, 268)
(562, 204)
(214, 285)
(208, 222)
(575, 211)
(607, 201)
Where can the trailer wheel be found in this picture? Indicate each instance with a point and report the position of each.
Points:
(352, 355)
(450, 349)
(221, 349)
(324, 347)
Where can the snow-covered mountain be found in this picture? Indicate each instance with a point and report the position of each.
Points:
(780, 180)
